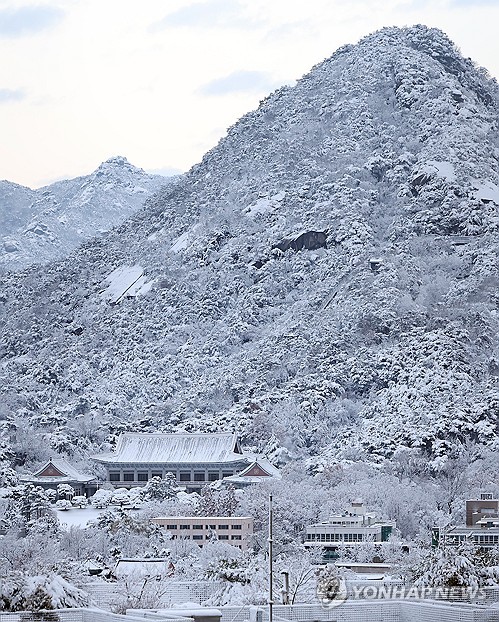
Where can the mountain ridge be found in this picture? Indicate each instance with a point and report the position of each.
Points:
(47, 223)
(381, 334)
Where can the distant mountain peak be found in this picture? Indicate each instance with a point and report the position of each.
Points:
(45, 224)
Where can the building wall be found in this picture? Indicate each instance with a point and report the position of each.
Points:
(234, 530)
(476, 509)
(339, 533)
(80, 488)
(192, 476)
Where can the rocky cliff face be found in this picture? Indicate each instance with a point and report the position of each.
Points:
(37, 226)
(324, 281)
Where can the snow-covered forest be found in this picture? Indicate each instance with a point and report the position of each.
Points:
(324, 283)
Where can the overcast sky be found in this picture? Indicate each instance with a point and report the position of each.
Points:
(160, 81)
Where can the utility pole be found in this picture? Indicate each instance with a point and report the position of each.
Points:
(271, 569)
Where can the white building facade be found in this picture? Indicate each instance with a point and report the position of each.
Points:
(233, 530)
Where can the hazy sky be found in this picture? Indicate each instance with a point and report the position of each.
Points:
(159, 81)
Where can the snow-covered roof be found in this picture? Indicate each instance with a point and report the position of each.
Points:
(58, 471)
(174, 449)
(259, 469)
(143, 566)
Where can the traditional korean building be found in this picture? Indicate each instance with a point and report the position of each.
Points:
(258, 470)
(194, 459)
(55, 472)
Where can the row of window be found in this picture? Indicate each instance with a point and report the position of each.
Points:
(477, 539)
(183, 476)
(335, 537)
(204, 526)
(201, 537)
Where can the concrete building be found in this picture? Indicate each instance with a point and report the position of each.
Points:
(481, 529)
(483, 511)
(234, 530)
(194, 460)
(350, 528)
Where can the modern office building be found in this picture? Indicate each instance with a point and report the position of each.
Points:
(350, 528)
(234, 530)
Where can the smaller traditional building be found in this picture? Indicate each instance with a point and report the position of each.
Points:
(259, 470)
(234, 530)
(59, 471)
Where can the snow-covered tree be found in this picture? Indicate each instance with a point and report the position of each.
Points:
(161, 489)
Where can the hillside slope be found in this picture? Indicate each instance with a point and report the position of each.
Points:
(324, 281)
(37, 226)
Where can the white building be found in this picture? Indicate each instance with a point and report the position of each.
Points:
(234, 530)
(353, 526)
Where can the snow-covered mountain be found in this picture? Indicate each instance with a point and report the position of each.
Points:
(37, 226)
(324, 281)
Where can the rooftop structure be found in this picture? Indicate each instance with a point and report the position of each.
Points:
(482, 512)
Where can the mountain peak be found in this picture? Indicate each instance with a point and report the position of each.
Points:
(325, 279)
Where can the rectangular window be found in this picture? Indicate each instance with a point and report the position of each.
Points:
(211, 526)
(197, 526)
(185, 526)
(171, 526)
(223, 526)
(114, 477)
(223, 537)
(185, 476)
(212, 477)
(142, 477)
(199, 477)
(236, 527)
(157, 474)
(236, 537)
(128, 477)
(227, 473)
(197, 537)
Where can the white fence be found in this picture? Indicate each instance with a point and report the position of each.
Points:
(69, 615)
(371, 611)
(105, 595)
(348, 611)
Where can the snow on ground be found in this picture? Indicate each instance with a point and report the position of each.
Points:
(121, 281)
(487, 191)
(264, 205)
(443, 169)
(77, 517)
(186, 239)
